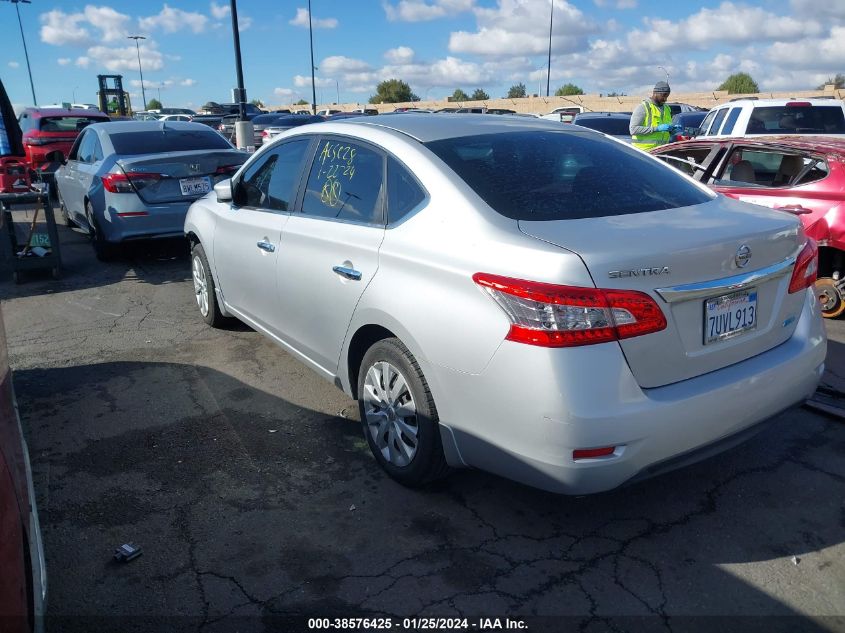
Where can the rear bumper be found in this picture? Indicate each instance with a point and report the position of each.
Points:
(523, 416)
(161, 221)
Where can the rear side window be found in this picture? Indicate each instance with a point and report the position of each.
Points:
(403, 192)
(550, 175)
(797, 119)
(345, 182)
(706, 122)
(156, 141)
(730, 122)
(717, 122)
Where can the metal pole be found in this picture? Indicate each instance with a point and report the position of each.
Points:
(313, 85)
(25, 51)
(666, 72)
(337, 85)
(549, 72)
(140, 71)
(238, 66)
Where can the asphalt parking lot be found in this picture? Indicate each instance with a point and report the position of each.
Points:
(247, 482)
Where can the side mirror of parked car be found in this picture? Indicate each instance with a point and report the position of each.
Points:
(223, 189)
(56, 156)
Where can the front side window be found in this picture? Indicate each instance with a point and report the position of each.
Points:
(271, 182)
(345, 182)
(688, 160)
(85, 154)
(706, 122)
(551, 175)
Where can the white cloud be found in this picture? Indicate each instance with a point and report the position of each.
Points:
(64, 61)
(244, 22)
(125, 58)
(59, 28)
(219, 11)
(301, 19)
(14, 65)
(148, 85)
(421, 11)
(284, 92)
(523, 25)
(83, 61)
(171, 20)
(301, 81)
(188, 82)
(818, 54)
(113, 25)
(617, 4)
(340, 64)
(399, 55)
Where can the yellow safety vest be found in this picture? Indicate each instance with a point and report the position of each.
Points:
(654, 116)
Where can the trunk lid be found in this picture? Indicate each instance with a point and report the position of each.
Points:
(663, 253)
(195, 171)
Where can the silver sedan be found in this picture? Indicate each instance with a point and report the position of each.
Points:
(130, 180)
(541, 302)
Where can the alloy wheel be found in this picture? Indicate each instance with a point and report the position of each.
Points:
(391, 414)
(200, 285)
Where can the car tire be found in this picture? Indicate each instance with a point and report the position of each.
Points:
(398, 415)
(829, 297)
(204, 288)
(102, 249)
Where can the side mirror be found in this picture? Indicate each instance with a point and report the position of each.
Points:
(56, 156)
(223, 189)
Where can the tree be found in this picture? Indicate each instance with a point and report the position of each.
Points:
(459, 95)
(739, 84)
(838, 82)
(393, 91)
(479, 95)
(568, 89)
(153, 104)
(258, 103)
(302, 102)
(516, 91)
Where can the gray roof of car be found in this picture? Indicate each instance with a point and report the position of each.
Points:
(119, 127)
(433, 127)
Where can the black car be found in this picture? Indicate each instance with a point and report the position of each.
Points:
(689, 122)
(614, 124)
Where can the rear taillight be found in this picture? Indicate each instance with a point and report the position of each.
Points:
(120, 182)
(806, 267)
(227, 170)
(265, 134)
(549, 315)
(799, 104)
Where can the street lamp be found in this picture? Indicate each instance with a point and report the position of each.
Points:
(138, 49)
(666, 72)
(25, 52)
(74, 93)
(549, 72)
(337, 85)
(313, 85)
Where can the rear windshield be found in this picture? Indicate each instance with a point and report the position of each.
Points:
(67, 123)
(549, 175)
(608, 125)
(797, 120)
(155, 141)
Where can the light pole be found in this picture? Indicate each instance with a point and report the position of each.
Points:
(25, 52)
(138, 50)
(337, 86)
(311, 40)
(243, 127)
(666, 72)
(74, 93)
(549, 72)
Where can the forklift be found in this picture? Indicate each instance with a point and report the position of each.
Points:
(111, 98)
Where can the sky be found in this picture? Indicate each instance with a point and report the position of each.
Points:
(435, 46)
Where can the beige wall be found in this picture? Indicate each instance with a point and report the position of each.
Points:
(542, 105)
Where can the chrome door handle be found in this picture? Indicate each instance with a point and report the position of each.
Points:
(349, 273)
(266, 246)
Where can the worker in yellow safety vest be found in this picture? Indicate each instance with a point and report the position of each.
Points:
(651, 121)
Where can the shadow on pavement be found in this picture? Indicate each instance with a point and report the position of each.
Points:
(251, 509)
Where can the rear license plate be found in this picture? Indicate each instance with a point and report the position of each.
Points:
(195, 186)
(730, 315)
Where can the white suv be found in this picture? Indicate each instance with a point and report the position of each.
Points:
(757, 117)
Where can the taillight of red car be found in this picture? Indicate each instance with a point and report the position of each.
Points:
(806, 267)
(551, 315)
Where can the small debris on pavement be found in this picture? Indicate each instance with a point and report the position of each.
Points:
(795, 560)
(127, 552)
(352, 508)
(273, 430)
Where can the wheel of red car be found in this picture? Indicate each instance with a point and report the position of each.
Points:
(829, 297)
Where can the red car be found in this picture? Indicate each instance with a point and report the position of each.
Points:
(803, 175)
(22, 574)
(47, 130)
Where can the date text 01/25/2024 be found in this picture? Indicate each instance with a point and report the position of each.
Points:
(417, 624)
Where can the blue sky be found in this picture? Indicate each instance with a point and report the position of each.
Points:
(434, 45)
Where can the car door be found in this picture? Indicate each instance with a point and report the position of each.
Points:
(329, 251)
(248, 232)
(68, 179)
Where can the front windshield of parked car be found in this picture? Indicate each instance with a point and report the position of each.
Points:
(797, 119)
(608, 125)
(550, 175)
(155, 141)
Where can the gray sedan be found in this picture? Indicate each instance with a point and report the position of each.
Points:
(132, 180)
(535, 300)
